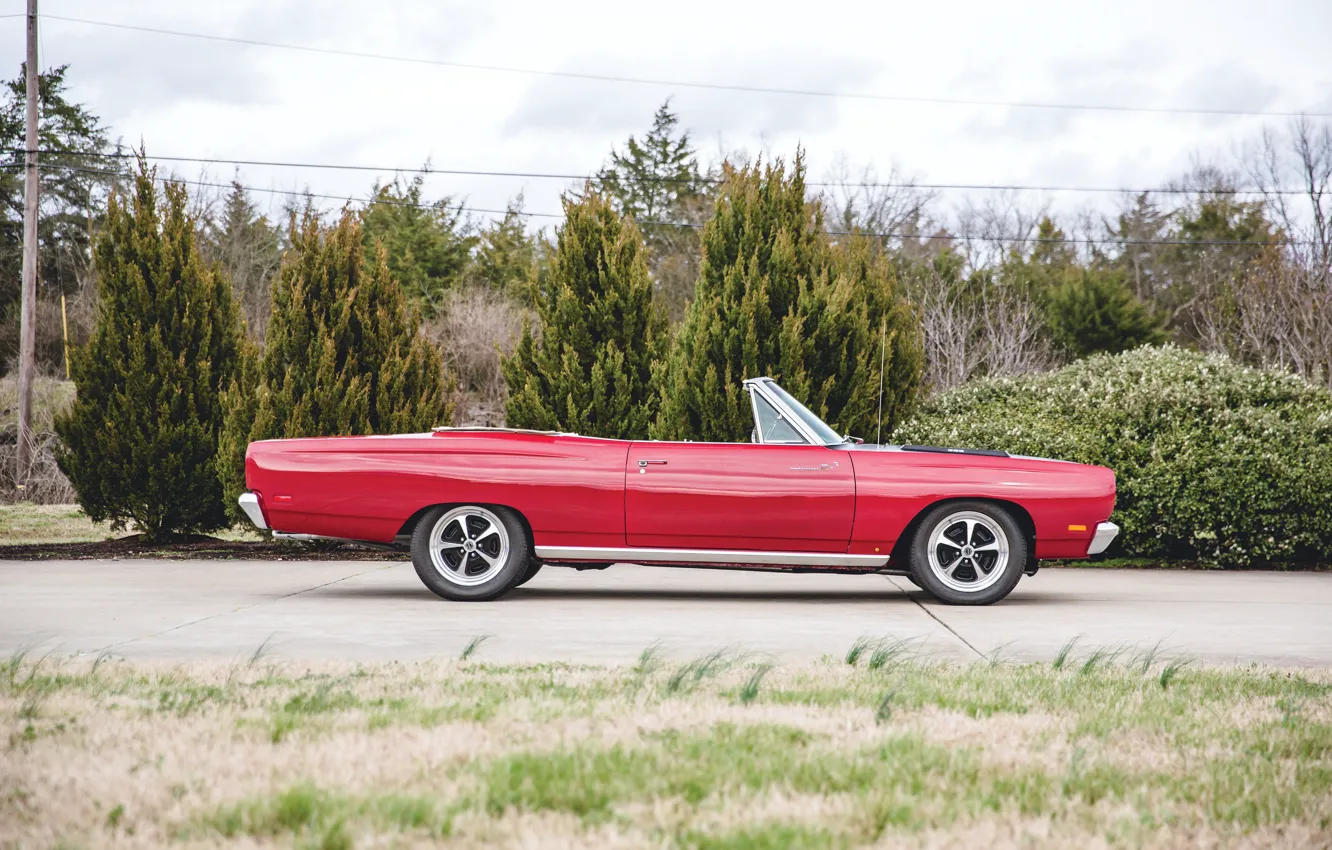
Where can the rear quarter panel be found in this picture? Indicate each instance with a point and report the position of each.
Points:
(570, 489)
(893, 487)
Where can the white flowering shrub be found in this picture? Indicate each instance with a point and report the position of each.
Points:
(1214, 460)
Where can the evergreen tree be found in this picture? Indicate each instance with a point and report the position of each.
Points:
(506, 256)
(776, 298)
(658, 181)
(249, 249)
(763, 243)
(850, 324)
(342, 356)
(428, 245)
(651, 179)
(1048, 265)
(73, 201)
(140, 439)
(601, 334)
(1138, 229)
(1094, 311)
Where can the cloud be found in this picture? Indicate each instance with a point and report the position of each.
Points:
(552, 104)
(1227, 86)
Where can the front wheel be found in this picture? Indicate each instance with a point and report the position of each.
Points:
(968, 553)
(471, 553)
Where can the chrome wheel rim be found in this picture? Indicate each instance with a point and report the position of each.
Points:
(968, 551)
(469, 546)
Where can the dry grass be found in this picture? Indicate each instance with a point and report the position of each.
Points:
(26, 524)
(46, 483)
(911, 754)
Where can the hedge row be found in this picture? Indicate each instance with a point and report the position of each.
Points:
(1215, 461)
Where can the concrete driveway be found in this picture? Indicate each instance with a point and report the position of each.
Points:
(377, 611)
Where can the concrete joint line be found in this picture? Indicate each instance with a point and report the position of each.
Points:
(932, 616)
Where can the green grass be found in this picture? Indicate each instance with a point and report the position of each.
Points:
(1118, 745)
(308, 810)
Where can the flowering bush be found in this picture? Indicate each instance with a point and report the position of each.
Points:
(1215, 461)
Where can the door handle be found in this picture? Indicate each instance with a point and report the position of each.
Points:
(646, 462)
(820, 468)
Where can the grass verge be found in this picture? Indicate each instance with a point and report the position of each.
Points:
(1113, 745)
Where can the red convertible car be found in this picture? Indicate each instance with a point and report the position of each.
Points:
(484, 509)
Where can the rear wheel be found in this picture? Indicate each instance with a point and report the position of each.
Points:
(471, 553)
(968, 553)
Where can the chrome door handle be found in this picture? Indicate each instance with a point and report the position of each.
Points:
(646, 462)
(820, 468)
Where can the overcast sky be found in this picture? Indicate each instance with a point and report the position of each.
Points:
(190, 97)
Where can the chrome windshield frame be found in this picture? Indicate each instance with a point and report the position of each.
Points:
(762, 388)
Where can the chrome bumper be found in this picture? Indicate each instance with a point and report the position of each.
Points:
(1105, 533)
(250, 504)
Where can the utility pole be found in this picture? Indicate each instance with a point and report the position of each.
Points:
(28, 294)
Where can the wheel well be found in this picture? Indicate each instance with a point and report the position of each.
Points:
(902, 548)
(409, 527)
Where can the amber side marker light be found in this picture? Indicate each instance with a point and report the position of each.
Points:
(1077, 528)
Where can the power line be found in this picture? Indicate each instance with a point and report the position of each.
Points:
(646, 81)
(923, 237)
(540, 175)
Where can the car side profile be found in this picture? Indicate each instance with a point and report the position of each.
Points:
(483, 510)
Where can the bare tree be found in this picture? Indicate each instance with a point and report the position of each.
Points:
(997, 333)
(1302, 160)
(1001, 223)
(893, 205)
(476, 327)
(1279, 315)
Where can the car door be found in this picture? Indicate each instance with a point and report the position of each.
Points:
(791, 497)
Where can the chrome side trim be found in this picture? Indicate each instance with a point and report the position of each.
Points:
(709, 556)
(250, 504)
(1105, 533)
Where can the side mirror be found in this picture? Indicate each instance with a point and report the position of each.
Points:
(753, 435)
(851, 439)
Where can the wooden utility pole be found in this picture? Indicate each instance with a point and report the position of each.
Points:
(28, 294)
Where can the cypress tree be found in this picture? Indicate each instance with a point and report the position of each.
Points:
(140, 438)
(775, 298)
(851, 323)
(343, 354)
(601, 333)
(762, 244)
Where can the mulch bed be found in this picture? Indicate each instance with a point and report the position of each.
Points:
(202, 547)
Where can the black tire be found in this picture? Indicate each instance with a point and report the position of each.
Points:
(533, 567)
(496, 561)
(960, 560)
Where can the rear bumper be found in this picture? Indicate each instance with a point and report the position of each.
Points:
(1105, 533)
(249, 503)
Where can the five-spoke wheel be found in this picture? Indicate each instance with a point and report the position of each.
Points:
(471, 552)
(468, 546)
(969, 553)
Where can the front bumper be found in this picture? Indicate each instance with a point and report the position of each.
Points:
(1105, 533)
(249, 503)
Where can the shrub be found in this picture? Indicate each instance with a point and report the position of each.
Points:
(1214, 460)
(140, 438)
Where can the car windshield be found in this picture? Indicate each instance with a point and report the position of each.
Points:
(826, 435)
